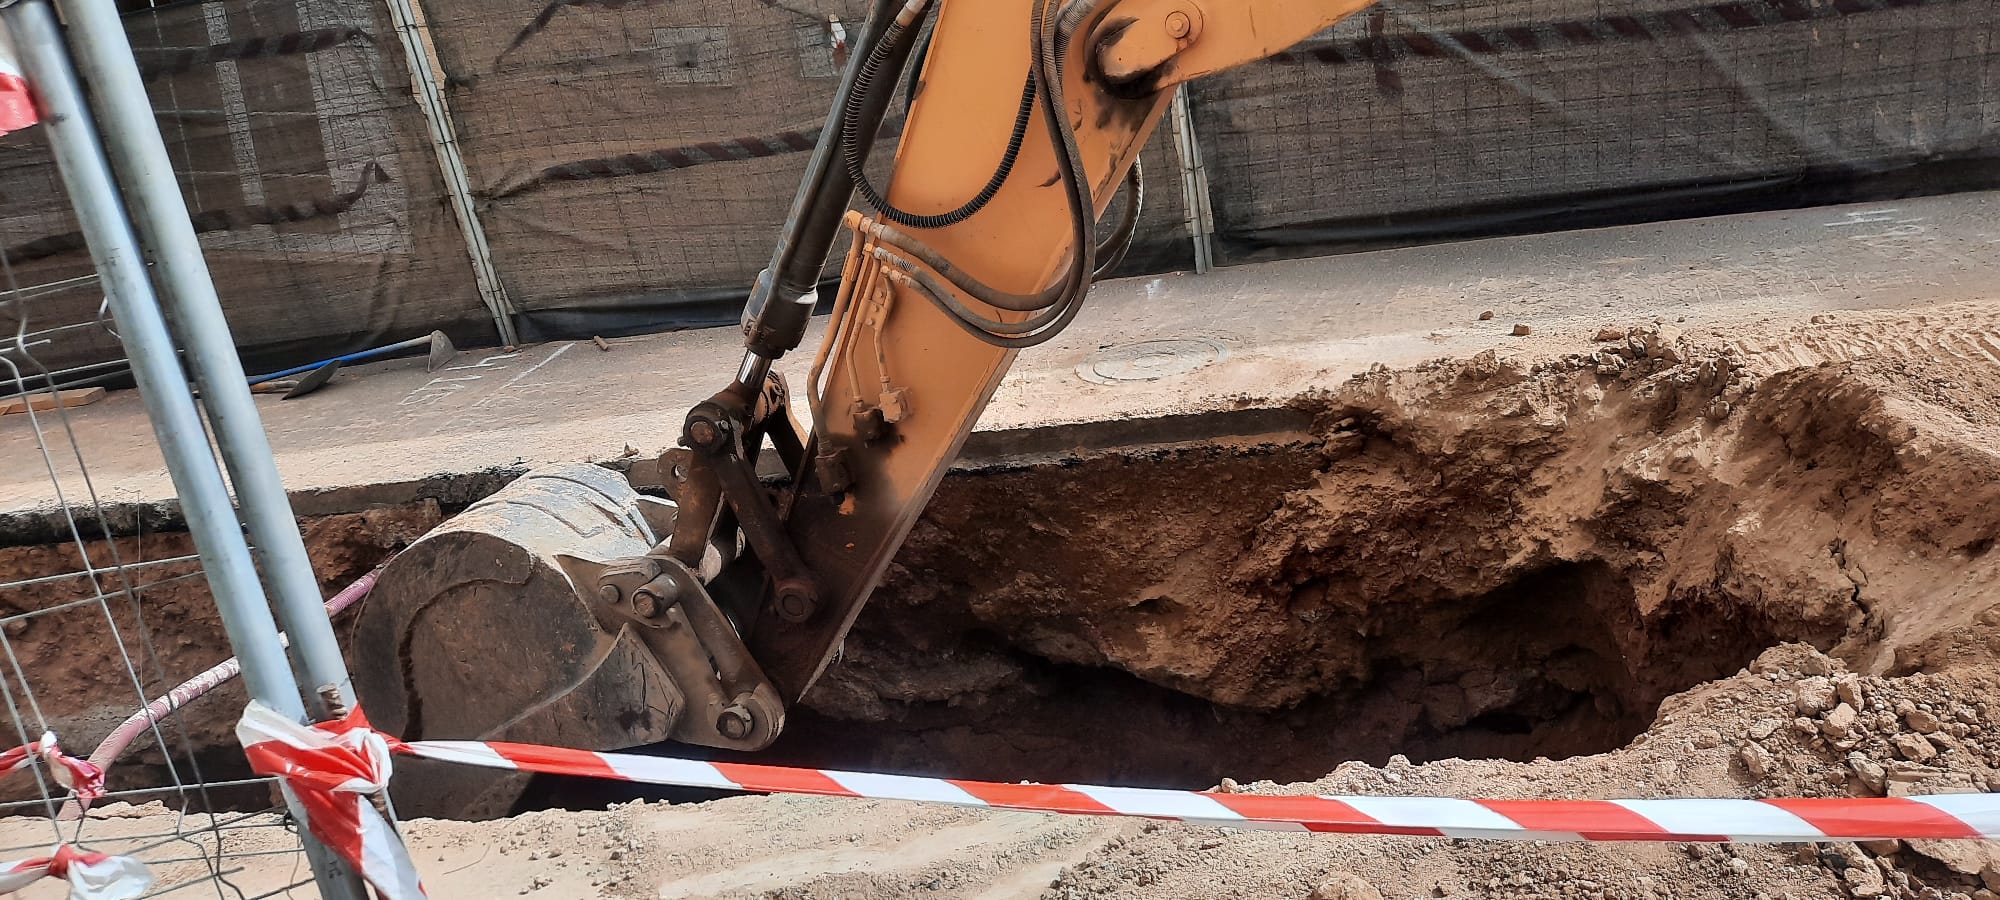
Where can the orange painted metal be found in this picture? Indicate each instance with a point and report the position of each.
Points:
(1161, 43)
(903, 384)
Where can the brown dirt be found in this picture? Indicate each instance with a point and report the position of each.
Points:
(74, 671)
(1637, 573)
(1478, 558)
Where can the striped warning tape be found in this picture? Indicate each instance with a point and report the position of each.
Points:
(333, 768)
(17, 103)
(80, 777)
(1778, 820)
(91, 876)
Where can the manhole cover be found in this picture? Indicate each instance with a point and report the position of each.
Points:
(1150, 360)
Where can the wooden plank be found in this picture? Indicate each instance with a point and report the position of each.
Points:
(44, 401)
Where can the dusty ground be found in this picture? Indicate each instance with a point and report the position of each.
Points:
(1624, 553)
(1288, 327)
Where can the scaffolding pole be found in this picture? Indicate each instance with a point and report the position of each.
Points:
(143, 171)
(425, 81)
(1194, 183)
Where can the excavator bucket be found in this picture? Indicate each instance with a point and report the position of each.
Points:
(478, 631)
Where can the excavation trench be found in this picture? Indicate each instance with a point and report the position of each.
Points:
(1551, 665)
(1181, 615)
(1465, 561)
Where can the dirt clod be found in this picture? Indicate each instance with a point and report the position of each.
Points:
(1848, 689)
(1756, 760)
(1964, 857)
(1344, 886)
(1864, 879)
(1522, 330)
(1913, 747)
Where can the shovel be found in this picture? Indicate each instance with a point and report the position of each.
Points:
(313, 381)
(436, 344)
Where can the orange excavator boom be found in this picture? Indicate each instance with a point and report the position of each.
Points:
(605, 621)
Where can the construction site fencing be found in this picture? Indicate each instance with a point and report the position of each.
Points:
(80, 645)
(364, 171)
(106, 576)
(308, 172)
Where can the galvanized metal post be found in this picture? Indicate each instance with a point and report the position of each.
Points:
(425, 85)
(139, 160)
(142, 329)
(1194, 183)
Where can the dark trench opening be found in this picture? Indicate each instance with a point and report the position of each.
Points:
(1556, 663)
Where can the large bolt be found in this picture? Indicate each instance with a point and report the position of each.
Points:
(734, 722)
(795, 601)
(1178, 25)
(646, 603)
(702, 432)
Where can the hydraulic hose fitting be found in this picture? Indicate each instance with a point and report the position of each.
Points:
(910, 11)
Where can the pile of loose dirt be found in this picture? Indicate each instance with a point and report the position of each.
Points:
(1794, 724)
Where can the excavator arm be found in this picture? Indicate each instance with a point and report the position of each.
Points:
(1027, 116)
(940, 291)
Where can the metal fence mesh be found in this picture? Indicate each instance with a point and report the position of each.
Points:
(633, 160)
(94, 624)
(1424, 119)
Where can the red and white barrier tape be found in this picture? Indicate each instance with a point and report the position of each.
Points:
(1785, 820)
(79, 777)
(91, 876)
(335, 772)
(17, 105)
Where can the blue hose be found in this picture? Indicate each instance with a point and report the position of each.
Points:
(356, 356)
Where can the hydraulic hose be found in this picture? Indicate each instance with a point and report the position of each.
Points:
(1055, 306)
(850, 140)
(121, 738)
(938, 280)
(776, 316)
(1119, 241)
(1113, 249)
